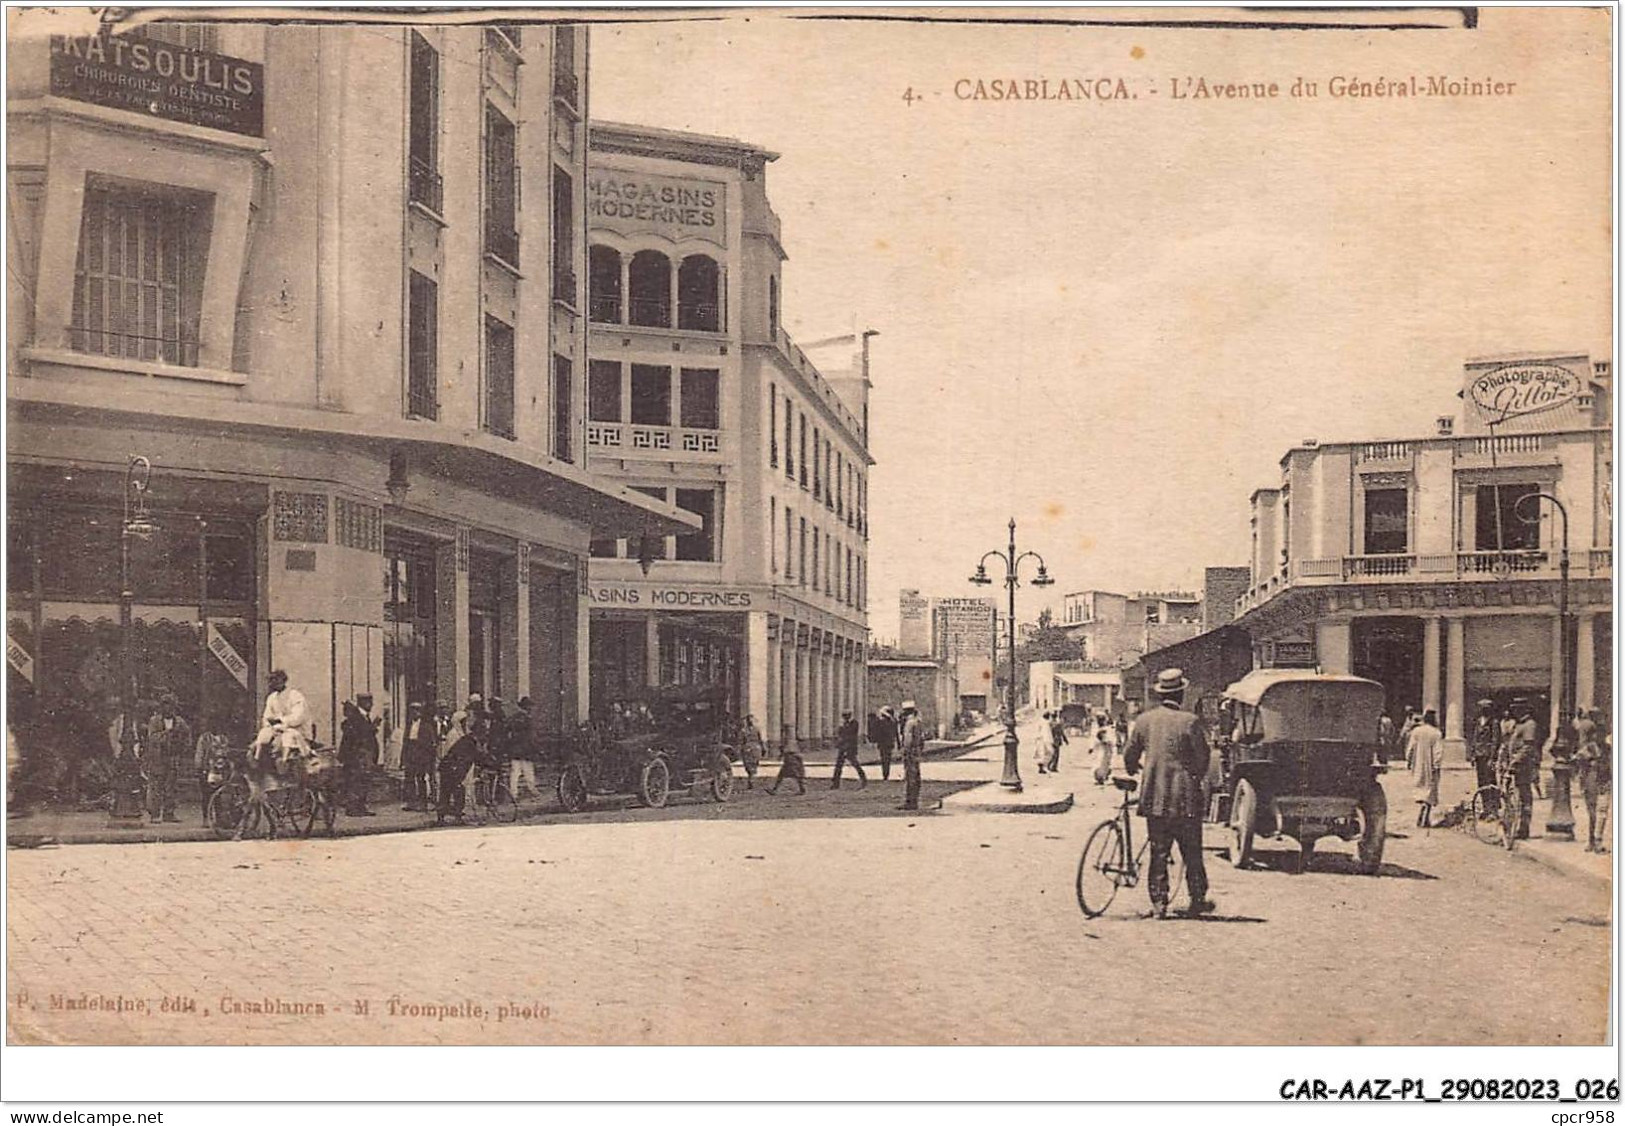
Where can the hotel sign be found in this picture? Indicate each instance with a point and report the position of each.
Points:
(1516, 389)
(666, 596)
(159, 79)
(638, 203)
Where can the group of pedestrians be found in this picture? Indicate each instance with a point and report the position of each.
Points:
(886, 730)
(442, 745)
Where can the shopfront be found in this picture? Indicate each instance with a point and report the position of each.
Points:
(193, 630)
(632, 653)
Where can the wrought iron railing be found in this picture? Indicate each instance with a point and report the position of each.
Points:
(424, 185)
(502, 240)
(604, 308)
(650, 312)
(698, 317)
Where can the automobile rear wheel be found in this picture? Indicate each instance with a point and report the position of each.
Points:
(1373, 828)
(654, 784)
(1243, 811)
(572, 788)
(722, 778)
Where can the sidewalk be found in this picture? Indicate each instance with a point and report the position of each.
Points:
(1566, 856)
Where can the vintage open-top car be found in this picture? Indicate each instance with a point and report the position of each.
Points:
(1297, 758)
(670, 738)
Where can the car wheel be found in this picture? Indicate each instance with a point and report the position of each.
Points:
(1373, 828)
(572, 788)
(1243, 812)
(722, 778)
(654, 784)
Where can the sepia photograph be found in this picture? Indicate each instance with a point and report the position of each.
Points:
(812, 527)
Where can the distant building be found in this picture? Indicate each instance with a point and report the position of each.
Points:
(914, 623)
(1211, 661)
(1221, 586)
(930, 684)
(1117, 629)
(1050, 684)
(962, 635)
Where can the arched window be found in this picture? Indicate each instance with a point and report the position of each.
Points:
(604, 284)
(699, 294)
(650, 283)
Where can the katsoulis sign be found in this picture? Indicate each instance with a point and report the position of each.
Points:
(1517, 389)
(158, 79)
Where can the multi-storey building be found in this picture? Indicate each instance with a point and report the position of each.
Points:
(699, 398)
(1431, 565)
(913, 623)
(330, 282)
(1117, 629)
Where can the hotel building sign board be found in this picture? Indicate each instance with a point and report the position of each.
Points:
(159, 79)
(632, 203)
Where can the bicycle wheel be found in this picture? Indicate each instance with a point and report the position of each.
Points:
(1510, 813)
(225, 809)
(1101, 869)
(1176, 871)
(1484, 816)
(501, 804)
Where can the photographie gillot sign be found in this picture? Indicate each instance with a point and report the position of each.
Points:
(160, 79)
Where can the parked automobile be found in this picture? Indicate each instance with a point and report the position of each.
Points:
(670, 739)
(1297, 757)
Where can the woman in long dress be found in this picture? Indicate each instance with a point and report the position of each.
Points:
(1043, 743)
(1424, 754)
(1106, 745)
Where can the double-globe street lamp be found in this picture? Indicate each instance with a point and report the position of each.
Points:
(137, 524)
(1012, 563)
(1560, 821)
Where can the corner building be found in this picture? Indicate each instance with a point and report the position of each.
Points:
(1425, 564)
(699, 398)
(341, 309)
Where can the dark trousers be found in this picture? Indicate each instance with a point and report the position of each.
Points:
(843, 757)
(162, 775)
(1165, 832)
(1485, 769)
(1054, 762)
(1526, 802)
(353, 777)
(453, 791)
(911, 780)
(885, 762)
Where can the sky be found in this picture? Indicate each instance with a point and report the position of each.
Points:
(1109, 319)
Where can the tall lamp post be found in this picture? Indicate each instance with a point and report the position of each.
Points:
(1560, 821)
(137, 524)
(1012, 564)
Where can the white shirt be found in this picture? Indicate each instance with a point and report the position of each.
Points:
(287, 705)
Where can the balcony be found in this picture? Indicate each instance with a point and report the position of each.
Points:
(502, 242)
(663, 443)
(1499, 564)
(1385, 451)
(424, 187)
(567, 89)
(604, 308)
(1387, 566)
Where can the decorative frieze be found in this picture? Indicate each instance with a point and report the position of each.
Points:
(299, 517)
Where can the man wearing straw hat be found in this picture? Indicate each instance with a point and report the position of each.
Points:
(1169, 741)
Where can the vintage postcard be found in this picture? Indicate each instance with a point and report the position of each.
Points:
(845, 526)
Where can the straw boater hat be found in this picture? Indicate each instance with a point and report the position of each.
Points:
(1170, 682)
(909, 706)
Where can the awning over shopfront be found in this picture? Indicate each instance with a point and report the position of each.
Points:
(476, 458)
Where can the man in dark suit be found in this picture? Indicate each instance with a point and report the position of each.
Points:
(1170, 742)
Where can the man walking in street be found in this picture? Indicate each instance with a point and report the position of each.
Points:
(1057, 736)
(750, 750)
(846, 751)
(883, 734)
(913, 739)
(1424, 757)
(167, 745)
(1170, 743)
(1486, 739)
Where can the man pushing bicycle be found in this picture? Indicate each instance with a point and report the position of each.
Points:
(1175, 752)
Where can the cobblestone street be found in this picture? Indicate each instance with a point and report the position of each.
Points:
(839, 920)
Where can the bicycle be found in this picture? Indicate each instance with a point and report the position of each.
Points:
(491, 795)
(1110, 860)
(1494, 812)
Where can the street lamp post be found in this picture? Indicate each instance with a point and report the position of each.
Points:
(1560, 821)
(138, 524)
(1012, 563)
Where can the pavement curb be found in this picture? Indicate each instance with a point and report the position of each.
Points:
(1560, 864)
(991, 797)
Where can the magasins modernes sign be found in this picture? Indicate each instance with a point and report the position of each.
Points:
(160, 79)
(637, 202)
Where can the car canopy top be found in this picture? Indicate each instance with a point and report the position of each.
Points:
(1306, 705)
